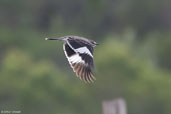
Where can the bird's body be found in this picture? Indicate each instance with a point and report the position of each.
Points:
(79, 52)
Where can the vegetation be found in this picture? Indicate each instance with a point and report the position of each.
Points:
(133, 60)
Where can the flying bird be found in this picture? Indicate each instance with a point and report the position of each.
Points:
(79, 52)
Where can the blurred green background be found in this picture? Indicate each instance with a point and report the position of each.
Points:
(133, 60)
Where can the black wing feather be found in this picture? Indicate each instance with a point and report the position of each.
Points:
(87, 58)
(69, 50)
(80, 43)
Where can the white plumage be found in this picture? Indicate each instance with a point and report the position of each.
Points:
(83, 50)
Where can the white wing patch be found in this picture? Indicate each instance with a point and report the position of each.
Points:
(83, 50)
(75, 59)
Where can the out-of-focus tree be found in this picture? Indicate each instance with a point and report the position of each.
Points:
(132, 60)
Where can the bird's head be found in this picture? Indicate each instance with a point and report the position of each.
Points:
(93, 43)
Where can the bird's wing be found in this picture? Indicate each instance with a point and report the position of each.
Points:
(81, 63)
(79, 43)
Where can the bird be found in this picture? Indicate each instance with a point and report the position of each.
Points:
(79, 52)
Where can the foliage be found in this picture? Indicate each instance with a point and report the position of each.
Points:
(132, 60)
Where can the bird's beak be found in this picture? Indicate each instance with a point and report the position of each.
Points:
(53, 39)
(97, 43)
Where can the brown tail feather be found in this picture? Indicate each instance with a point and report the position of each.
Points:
(83, 72)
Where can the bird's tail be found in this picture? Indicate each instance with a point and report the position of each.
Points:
(54, 38)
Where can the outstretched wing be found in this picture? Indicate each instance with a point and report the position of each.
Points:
(82, 44)
(80, 61)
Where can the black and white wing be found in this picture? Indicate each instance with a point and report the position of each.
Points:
(80, 58)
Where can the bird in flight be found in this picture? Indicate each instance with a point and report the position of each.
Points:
(79, 52)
